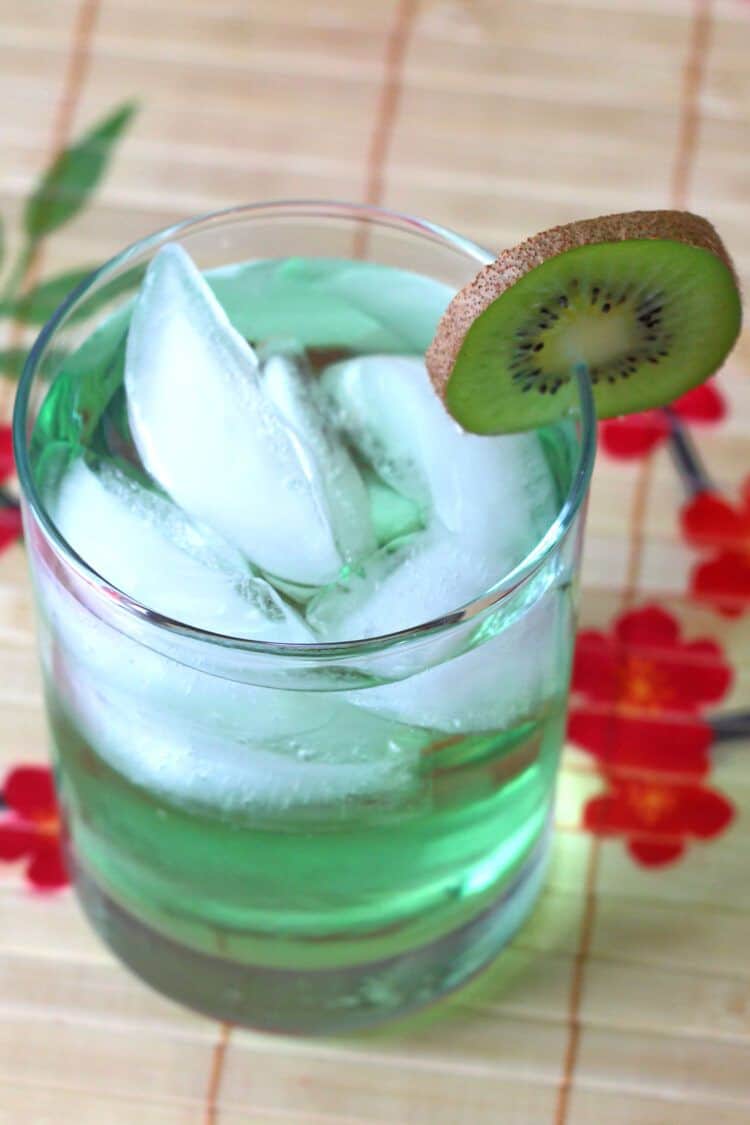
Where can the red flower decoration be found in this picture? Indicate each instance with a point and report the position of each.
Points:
(642, 689)
(635, 435)
(10, 518)
(713, 524)
(7, 466)
(657, 817)
(638, 693)
(30, 826)
(624, 744)
(10, 526)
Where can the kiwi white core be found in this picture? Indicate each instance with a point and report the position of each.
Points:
(594, 339)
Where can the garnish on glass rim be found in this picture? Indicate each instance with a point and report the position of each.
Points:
(646, 302)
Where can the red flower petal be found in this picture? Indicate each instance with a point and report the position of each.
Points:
(638, 434)
(29, 790)
(655, 816)
(702, 404)
(710, 521)
(648, 626)
(702, 675)
(631, 743)
(17, 838)
(657, 809)
(7, 466)
(47, 869)
(706, 812)
(633, 436)
(605, 816)
(10, 526)
(594, 666)
(724, 582)
(655, 853)
(745, 497)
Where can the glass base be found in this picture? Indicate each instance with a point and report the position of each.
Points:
(320, 1001)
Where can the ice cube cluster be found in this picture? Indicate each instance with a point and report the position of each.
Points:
(284, 508)
(273, 505)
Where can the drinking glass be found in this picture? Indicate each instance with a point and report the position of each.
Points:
(304, 838)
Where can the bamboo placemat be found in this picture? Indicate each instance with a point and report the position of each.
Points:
(626, 999)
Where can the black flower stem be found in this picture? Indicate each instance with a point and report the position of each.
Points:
(730, 727)
(6, 500)
(692, 471)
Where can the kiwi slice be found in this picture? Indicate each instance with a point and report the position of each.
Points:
(646, 302)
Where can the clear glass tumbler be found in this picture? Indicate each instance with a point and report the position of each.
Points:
(305, 838)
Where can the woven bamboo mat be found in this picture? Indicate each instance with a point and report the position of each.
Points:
(626, 999)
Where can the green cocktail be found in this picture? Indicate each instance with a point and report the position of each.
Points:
(306, 643)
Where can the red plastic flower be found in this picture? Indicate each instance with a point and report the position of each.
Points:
(638, 691)
(713, 524)
(7, 466)
(657, 817)
(30, 826)
(635, 435)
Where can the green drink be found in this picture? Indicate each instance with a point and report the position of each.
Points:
(306, 643)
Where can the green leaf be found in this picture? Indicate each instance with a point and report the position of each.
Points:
(13, 359)
(37, 306)
(2, 240)
(65, 187)
(127, 283)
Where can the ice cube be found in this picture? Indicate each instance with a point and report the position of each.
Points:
(211, 438)
(486, 501)
(507, 679)
(410, 581)
(363, 287)
(145, 546)
(185, 763)
(333, 300)
(213, 743)
(495, 491)
(81, 651)
(288, 387)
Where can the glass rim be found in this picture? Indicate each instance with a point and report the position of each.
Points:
(309, 209)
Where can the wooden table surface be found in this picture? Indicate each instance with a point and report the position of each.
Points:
(626, 998)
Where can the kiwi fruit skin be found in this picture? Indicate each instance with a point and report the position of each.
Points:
(449, 349)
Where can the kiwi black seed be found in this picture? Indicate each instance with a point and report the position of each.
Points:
(647, 302)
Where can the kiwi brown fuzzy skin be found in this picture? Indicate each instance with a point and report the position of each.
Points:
(511, 265)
